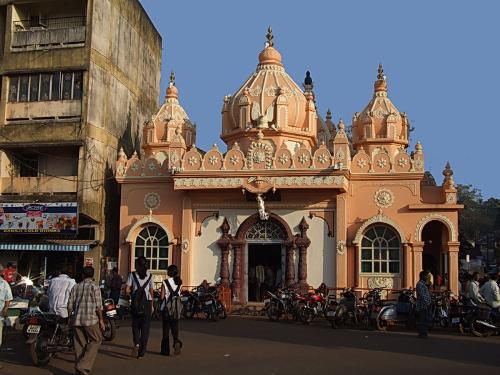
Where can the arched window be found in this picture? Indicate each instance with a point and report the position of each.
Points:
(268, 230)
(152, 242)
(380, 250)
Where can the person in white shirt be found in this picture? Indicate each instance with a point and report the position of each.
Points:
(491, 292)
(58, 293)
(473, 289)
(170, 323)
(5, 299)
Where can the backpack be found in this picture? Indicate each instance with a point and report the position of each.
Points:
(139, 306)
(172, 307)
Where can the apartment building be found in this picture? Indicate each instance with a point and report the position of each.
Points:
(77, 80)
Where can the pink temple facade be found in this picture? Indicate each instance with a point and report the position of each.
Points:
(289, 191)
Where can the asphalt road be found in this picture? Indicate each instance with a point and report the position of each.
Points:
(241, 345)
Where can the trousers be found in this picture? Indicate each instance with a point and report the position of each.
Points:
(424, 321)
(140, 332)
(169, 326)
(87, 342)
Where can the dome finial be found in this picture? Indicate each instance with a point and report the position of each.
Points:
(308, 82)
(380, 74)
(270, 37)
(171, 89)
(172, 78)
(328, 114)
(380, 83)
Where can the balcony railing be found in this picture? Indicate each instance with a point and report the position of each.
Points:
(49, 33)
(49, 23)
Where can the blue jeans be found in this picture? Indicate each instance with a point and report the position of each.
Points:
(424, 321)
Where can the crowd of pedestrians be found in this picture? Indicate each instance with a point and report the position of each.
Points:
(81, 306)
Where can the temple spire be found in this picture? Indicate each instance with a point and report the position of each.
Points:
(380, 83)
(270, 37)
(380, 71)
(172, 78)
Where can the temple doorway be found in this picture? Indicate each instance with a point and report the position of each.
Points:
(435, 254)
(264, 269)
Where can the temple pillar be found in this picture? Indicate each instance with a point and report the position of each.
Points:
(290, 265)
(341, 242)
(303, 266)
(186, 240)
(453, 248)
(224, 265)
(237, 283)
(418, 248)
(407, 263)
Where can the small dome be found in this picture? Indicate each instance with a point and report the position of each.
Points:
(270, 55)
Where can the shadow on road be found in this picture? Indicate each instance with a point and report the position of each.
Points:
(465, 350)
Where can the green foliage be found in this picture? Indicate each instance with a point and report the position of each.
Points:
(479, 217)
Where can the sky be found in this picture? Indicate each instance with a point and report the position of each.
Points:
(441, 59)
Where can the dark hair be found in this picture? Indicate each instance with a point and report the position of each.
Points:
(141, 266)
(173, 271)
(494, 276)
(88, 272)
(423, 275)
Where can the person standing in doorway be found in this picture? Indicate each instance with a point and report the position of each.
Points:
(171, 310)
(115, 285)
(141, 288)
(5, 298)
(85, 312)
(423, 305)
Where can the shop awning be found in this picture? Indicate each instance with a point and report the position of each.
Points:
(49, 245)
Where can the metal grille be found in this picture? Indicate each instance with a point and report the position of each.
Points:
(266, 230)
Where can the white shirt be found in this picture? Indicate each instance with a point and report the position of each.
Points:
(5, 295)
(491, 293)
(473, 292)
(58, 293)
(173, 285)
(131, 283)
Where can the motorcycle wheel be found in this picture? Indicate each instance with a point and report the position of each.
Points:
(272, 312)
(109, 332)
(480, 330)
(188, 310)
(381, 325)
(213, 315)
(221, 311)
(38, 351)
(305, 314)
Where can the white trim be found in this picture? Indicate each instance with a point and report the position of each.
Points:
(379, 218)
(437, 217)
(131, 236)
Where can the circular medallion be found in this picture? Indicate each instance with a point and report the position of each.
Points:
(384, 198)
(151, 201)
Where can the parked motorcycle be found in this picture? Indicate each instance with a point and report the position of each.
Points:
(486, 321)
(282, 303)
(47, 334)
(203, 299)
(402, 312)
(372, 303)
(347, 311)
(312, 306)
(109, 315)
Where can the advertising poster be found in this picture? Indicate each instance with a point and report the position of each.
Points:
(39, 217)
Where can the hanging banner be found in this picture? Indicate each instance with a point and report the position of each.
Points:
(39, 217)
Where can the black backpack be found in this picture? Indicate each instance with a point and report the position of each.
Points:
(173, 305)
(139, 307)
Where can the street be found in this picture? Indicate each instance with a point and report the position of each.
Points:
(253, 345)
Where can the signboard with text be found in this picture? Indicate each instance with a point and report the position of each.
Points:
(61, 217)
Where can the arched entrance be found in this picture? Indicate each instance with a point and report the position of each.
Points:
(435, 253)
(263, 256)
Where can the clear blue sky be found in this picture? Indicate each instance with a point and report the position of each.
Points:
(441, 58)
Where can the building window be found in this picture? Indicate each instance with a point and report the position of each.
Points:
(380, 250)
(46, 87)
(268, 230)
(152, 242)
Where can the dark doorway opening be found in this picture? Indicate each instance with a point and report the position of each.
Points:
(264, 270)
(434, 256)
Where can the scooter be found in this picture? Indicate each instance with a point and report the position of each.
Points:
(402, 312)
(486, 321)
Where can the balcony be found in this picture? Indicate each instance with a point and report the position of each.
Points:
(38, 185)
(48, 33)
(62, 110)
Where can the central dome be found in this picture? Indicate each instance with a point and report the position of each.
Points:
(270, 102)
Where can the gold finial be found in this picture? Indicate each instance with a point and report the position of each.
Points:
(380, 74)
(448, 177)
(270, 37)
(172, 78)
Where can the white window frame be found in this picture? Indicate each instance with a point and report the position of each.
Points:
(154, 242)
(387, 249)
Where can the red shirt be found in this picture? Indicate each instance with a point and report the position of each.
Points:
(8, 274)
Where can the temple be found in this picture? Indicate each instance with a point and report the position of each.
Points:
(291, 199)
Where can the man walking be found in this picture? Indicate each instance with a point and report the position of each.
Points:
(58, 293)
(423, 305)
(85, 311)
(5, 298)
